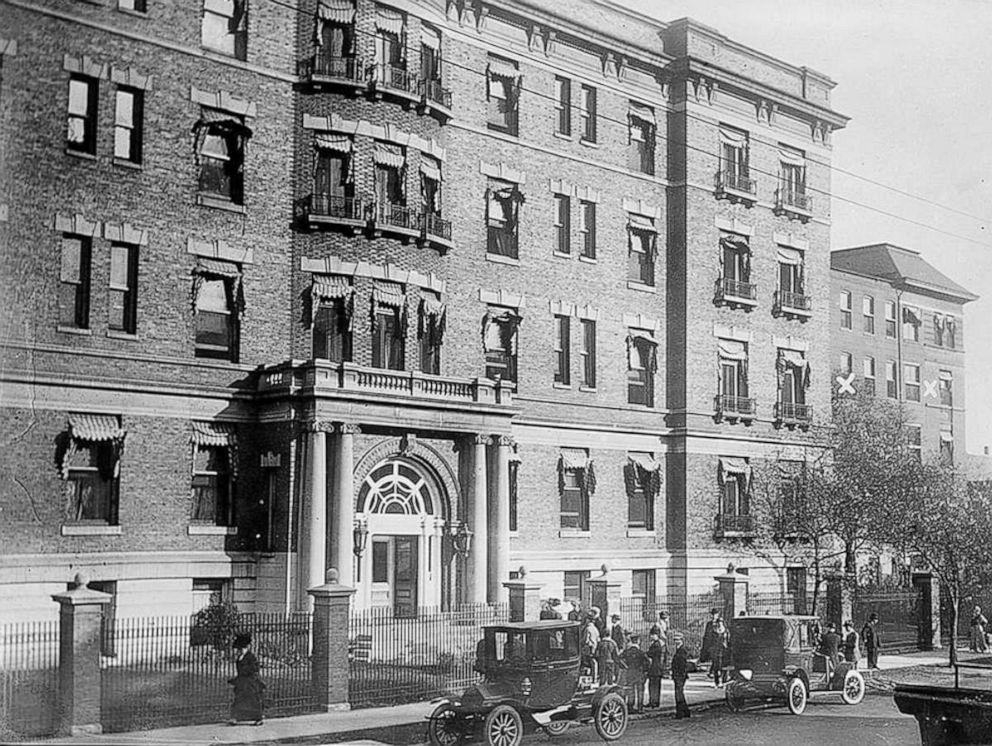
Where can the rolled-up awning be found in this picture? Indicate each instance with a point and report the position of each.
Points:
(430, 37)
(432, 307)
(734, 468)
(216, 267)
(789, 256)
(645, 461)
(388, 295)
(641, 111)
(96, 427)
(337, 143)
(733, 137)
(574, 458)
(640, 222)
(946, 437)
(336, 11)
(389, 20)
(791, 157)
(945, 375)
(212, 433)
(387, 154)
(430, 167)
(498, 328)
(229, 271)
(731, 349)
(792, 357)
(504, 70)
(330, 287)
(736, 243)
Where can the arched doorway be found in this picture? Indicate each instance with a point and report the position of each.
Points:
(405, 508)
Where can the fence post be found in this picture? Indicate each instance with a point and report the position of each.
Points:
(928, 622)
(840, 597)
(80, 694)
(604, 593)
(329, 661)
(525, 598)
(733, 590)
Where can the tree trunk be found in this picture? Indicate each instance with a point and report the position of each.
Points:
(850, 559)
(953, 633)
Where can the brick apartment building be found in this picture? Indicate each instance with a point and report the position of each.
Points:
(425, 291)
(898, 332)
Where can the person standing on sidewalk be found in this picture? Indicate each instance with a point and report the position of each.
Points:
(720, 652)
(873, 640)
(706, 649)
(618, 633)
(660, 628)
(978, 643)
(680, 674)
(635, 674)
(656, 653)
(608, 660)
(248, 685)
(852, 644)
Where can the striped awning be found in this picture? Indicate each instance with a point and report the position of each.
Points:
(430, 167)
(387, 154)
(574, 458)
(389, 20)
(734, 468)
(791, 157)
(641, 222)
(336, 11)
(789, 256)
(212, 434)
(388, 295)
(216, 267)
(733, 137)
(502, 69)
(433, 307)
(735, 243)
(96, 427)
(330, 287)
(644, 460)
(430, 37)
(731, 349)
(337, 143)
(642, 112)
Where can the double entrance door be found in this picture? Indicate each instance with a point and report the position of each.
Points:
(395, 573)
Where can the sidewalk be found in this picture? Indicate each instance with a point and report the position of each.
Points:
(699, 693)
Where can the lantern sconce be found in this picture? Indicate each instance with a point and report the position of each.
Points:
(360, 535)
(461, 538)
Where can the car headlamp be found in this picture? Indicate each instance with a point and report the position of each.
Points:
(525, 687)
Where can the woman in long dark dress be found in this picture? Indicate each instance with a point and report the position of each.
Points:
(248, 685)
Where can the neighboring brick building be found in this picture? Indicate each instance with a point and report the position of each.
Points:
(552, 280)
(897, 330)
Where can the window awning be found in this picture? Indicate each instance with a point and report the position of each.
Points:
(945, 375)
(574, 458)
(498, 329)
(504, 70)
(216, 267)
(910, 315)
(792, 357)
(96, 427)
(642, 112)
(212, 434)
(731, 349)
(226, 119)
(640, 222)
(946, 437)
(430, 168)
(735, 243)
(330, 287)
(645, 461)
(642, 350)
(228, 271)
(388, 295)
(432, 307)
(789, 256)
(387, 154)
(735, 468)
(791, 157)
(336, 11)
(389, 20)
(733, 137)
(337, 143)
(430, 37)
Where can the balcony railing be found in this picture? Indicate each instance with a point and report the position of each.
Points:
(394, 215)
(735, 184)
(394, 78)
(435, 94)
(793, 412)
(732, 524)
(742, 407)
(793, 200)
(736, 291)
(788, 302)
(325, 68)
(435, 229)
(330, 208)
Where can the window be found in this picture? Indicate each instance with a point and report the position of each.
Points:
(791, 276)
(332, 330)
(217, 308)
(944, 330)
(500, 341)
(92, 469)
(562, 345)
(333, 185)
(643, 583)
(336, 44)
(588, 353)
(793, 370)
(890, 319)
(210, 592)
(911, 375)
(846, 363)
(642, 478)
(390, 48)
(81, 133)
(74, 283)
(733, 375)
(868, 312)
(735, 266)
(911, 323)
(138, 6)
(946, 384)
(128, 117)
(575, 480)
(430, 184)
(641, 365)
(563, 224)
(734, 479)
(792, 178)
(123, 288)
(846, 320)
(869, 371)
(641, 138)
(502, 94)
(430, 55)
(221, 154)
(212, 485)
(225, 27)
(502, 215)
(390, 166)
(950, 332)
(513, 474)
(734, 157)
(430, 331)
(574, 584)
(587, 113)
(563, 106)
(914, 441)
(642, 242)
(388, 326)
(587, 228)
(891, 386)
(946, 448)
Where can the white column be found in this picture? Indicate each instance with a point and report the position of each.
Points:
(315, 531)
(478, 523)
(342, 549)
(499, 538)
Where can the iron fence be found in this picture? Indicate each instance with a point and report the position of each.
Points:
(417, 656)
(686, 614)
(898, 615)
(29, 679)
(170, 671)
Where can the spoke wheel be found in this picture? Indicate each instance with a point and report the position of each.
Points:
(854, 688)
(557, 727)
(796, 696)
(444, 728)
(734, 700)
(611, 717)
(504, 727)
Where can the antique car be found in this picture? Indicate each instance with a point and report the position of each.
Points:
(775, 658)
(949, 716)
(532, 678)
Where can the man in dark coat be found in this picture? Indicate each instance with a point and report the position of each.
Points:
(248, 685)
(656, 654)
(660, 628)
(635, 674)
(617, 632)
(608, 659)
(872, 638)
(680, 673)
(706, 650)
(830, 648)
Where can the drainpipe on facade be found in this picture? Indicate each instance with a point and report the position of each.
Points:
(899, 323)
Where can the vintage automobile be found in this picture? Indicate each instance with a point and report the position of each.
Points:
(774, 658)
(532, 678)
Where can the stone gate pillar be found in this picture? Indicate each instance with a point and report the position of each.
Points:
(928, 621)
(525, 598)
(733, 591)
(604, 593)
(329, 660)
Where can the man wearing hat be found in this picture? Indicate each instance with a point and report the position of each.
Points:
(617, 632)
(872, 640)
(709, 638)
(248, 686)
(680, 673)
(660, 628)
(635, 673)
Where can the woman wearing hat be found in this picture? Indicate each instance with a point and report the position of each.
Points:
(248, 686)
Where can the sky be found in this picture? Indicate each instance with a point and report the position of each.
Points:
(916, 79)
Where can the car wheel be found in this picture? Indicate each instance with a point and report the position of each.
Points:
(854, 688)
(557, 727)
(610, 717)
(796, 696)
(734, 700)
(504, 727)
(443, 728)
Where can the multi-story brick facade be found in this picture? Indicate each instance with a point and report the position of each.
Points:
(423, 291)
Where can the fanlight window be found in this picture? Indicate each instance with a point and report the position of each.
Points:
(397, 488)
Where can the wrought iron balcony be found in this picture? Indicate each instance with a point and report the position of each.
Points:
(734, 525)
(435, 97)
(387, 78)
(331, 209)
(736, 186)
(735, 407)
(794, 202)
(792, 413)
(794, 304)
(391, 217)
(326, 69)
(736, 292)
(436, 230)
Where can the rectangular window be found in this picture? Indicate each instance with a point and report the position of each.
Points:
(387, 340)
(736, 500)
(846, 319)
(640, 260)
(735, 265)
(588, 353)
(500, 341)
(846, 363)
(946, 383)
(587, 228)
(210, 592)
(868, 312)
(869, 371)
(643, 583)
(574, 584)
(332, 185)
(430, 331)
(640, 492)
(222, 161)
(790, 281)
(911, 323)
(563, 106)
(891, 385)
(587, 113)
(562, 345)
(911, 375)
(225, 27)
(212, 501)
(914, 441)
(640, 369)
(430, 55)
(74, 283)
(331, 332)
(94, 482)
(574, 501)
(502, 95)
(81, 131)
(734, 157)
(792, 179)
(502, 209)
(641, 139)
(514, 475)
(123, 288)
(563, 224)
(890, 319)
(138, 6)
(946, 448)
(128, 116)
(950, 332)
(216, 320)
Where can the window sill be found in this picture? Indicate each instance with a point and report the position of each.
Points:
(127, 164)
(74, 330)
(561, 255)
(500, 259)
(566, 386)
(641, 287)
(222, 53)
(207, 530)
(641, 533)
(220, 203)
(588, 389)
(135, 13)
(569, 533)
(80, 154)
(588, 143)
(122, 335)
(92, 529)
(588, 259)
(562, 136)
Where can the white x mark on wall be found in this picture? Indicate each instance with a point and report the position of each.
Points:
(846, 384)
(930, 388)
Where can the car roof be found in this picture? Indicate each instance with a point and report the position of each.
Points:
(778, 617)
(538, 625)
